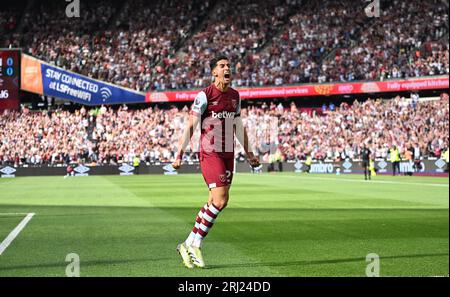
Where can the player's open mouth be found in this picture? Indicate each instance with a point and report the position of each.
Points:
(227, 75)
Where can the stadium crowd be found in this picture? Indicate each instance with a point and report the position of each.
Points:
(340, 134)
(110, 136)
(328, 42)
(161, 45)
(404, 42)
(105, 42)
(226, 31)
(295, 55)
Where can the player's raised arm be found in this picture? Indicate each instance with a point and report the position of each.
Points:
(197, 110)
(242, 136)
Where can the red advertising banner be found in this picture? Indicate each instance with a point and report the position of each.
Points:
(398, 85)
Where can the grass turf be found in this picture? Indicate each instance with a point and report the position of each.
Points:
(275, 225)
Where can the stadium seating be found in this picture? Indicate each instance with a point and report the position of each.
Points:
(167, 44)
(110, 136)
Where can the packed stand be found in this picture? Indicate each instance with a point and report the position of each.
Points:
(294, 55)
(237, 30)
(45, 137)
(113, 42)
(339, 134)
(166, 45)
(410, 39)
(107, 136)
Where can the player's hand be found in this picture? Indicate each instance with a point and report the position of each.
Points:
(176, 164)
(178, 160)
(254, 161)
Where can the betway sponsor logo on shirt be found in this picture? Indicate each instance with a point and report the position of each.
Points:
(223, 114)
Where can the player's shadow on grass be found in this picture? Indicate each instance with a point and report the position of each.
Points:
(82, 263)
(317, 262)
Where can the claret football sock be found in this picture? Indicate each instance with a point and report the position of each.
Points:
(198, 220)
(209, 216)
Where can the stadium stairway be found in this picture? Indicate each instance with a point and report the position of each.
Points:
(213, 8)
(179, 46)
(365, 26)
(280, 29)
(180, 43)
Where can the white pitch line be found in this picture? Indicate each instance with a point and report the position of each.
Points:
(15, 232)
(371, 181)
(13, 213)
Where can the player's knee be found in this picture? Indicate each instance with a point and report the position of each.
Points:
(221, 201)
(221, 204)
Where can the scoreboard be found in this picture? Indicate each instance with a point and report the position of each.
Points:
(9, 78)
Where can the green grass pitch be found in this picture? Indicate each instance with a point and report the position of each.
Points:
(275, 225)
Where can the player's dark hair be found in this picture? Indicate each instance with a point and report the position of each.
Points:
(213, 62)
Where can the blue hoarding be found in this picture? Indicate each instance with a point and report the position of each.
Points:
(67, 85)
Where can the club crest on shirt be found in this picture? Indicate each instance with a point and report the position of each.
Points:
(234, 103)
(223, 178)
